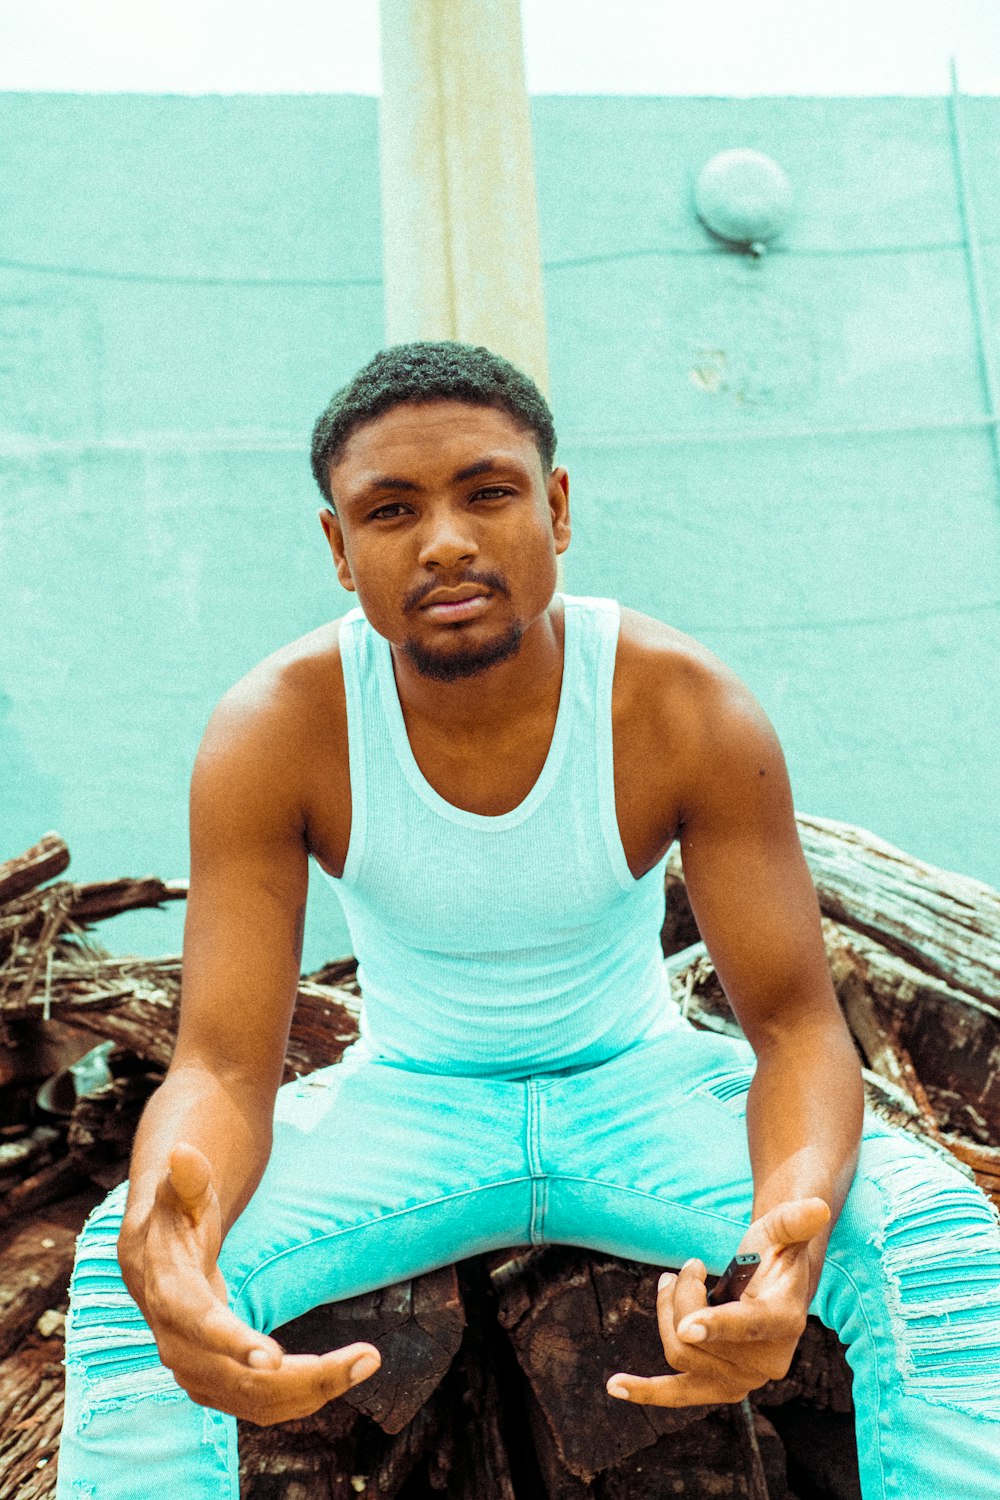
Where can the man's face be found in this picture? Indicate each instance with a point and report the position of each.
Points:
(448, 531)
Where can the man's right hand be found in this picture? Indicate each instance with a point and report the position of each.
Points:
(170, 1264)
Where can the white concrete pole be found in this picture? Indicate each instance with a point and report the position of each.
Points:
(461, 257)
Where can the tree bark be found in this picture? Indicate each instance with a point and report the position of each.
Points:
(43, 861)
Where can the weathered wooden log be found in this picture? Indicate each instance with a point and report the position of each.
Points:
(707, 1458)
(35, 1264)
(478, 1455)
(99, 899)
(85, 902)
(18, 1159)
(574, 1318)
(416, 1327)
(43, 861)
(339, 1452)
(134, 1002)
(102, 1125)
(31, 1409)
(952, 1038)
(59, 1180)
(945, 924)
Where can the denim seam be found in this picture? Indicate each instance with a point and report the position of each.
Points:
(708, 1213)
(829, 1264)
(538, 1185)
(397, 1213)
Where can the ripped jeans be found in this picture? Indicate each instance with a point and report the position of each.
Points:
(379, 1172)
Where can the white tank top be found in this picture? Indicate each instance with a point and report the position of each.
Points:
(503, 945)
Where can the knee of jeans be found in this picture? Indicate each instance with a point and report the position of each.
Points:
(939, 1244)
(111, 1354)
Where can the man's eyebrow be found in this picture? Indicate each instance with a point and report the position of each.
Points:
(381, 482)
(385, 482)
(484, 466)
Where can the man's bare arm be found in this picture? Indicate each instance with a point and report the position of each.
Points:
(756, 907)
(205, 1137)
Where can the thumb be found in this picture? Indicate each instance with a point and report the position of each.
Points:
(190, 1176)
(795, 1222)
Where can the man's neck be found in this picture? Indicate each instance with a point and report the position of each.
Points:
(494, 699)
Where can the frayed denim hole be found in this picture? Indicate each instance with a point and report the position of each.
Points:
(939, 1247)
(215, 1431)
(89, 1316)
(101, 1241)
(946, 1278)
(116, 1362)
(121, 1391)
(112, 1207)
(97, 1283)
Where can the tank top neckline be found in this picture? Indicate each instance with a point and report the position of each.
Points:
(485, 822)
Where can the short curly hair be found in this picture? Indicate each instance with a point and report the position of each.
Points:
(426, 371)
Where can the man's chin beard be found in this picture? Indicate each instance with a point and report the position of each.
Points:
(451, 666)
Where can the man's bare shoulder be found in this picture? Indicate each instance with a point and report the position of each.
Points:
(299, 684)
(695, 705)
(281, 725)
(675, 668)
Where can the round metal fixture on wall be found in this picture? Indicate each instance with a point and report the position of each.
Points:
(744, 198)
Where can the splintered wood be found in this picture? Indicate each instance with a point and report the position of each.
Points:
(492, 1382)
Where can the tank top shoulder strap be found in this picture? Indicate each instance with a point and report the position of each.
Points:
(354, 639)
(604, 617)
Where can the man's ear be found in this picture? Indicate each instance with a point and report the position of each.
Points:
(330, 522)
(558, 495)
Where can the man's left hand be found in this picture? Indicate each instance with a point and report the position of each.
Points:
(722, 1353)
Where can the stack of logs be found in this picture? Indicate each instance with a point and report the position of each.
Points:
(492, 1381)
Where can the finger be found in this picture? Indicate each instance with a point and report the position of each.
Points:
(678, 1352)
(303, 1384)
(689, 1293)
(685, 1356)
(675, 1390)
(317, 1378)
(795, 1222)
(190, 1176)
(189, 1318)
(755, 1321)
(224, 1332)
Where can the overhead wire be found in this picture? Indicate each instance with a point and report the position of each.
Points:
(561, 263)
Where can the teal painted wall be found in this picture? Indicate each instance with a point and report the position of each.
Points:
(184, 281)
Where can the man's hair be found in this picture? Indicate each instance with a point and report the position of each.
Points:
(425, 371)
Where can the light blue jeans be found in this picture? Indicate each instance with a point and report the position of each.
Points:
(380, 1172)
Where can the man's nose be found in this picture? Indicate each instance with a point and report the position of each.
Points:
(447, 540)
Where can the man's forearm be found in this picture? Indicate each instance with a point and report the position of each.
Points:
(234, 1134)
(804, 1117)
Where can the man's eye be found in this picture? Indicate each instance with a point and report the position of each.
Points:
(385, 512)
(492, 492)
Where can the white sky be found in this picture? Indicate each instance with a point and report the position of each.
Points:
(571, 46)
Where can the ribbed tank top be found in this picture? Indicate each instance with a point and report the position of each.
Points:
(505, 945)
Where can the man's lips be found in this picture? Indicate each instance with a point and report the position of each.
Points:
(457, 609)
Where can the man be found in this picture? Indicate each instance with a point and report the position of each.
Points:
(491, 774)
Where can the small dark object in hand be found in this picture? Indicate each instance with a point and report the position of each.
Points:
(733, 1281)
